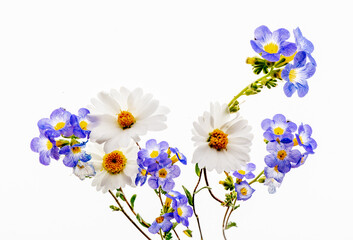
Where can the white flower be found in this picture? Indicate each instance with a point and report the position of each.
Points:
(114, 169)
(118, 117)
(83, 170)
(223, 140)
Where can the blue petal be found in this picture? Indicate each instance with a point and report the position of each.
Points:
(294, 156)
(262, 33)
(238, 175)
(266, 124)
(166, 226)
(270, 160)
(44, 158)
(150, 144)
(272, 57)
(289, 89)
(250, 167)
(299, 59)
(284, 166)
(257, 48)
(153, 182)
(82, 112)
(288, 49)
(303, 88)
(163, 146)
(175, 171)
(69, 161)
(308, 71)
(154, 228)
(285, 72)
(280, 35)
(35, 144)
(168, 185)
(279, 118)
(312, 60)
(185, 222)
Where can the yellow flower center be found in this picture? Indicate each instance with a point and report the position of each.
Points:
(160, 219)
(271, 47)
(126, 119)
(243, 191)
(180, 212)
(218, 140)
(276, 168)
(281, 154)
(292, 75)
(154, 154)
(114, 162)
(59, 126)
(295, 141)
(241, 172)
(49, 145)
(278, 131)
(143, 172)
(168, 202)
(162, 173)
(76, 150)
(83, 125)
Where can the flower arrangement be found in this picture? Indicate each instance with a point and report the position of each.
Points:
(102, 142)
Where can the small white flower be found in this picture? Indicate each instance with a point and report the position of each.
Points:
(223, 141)
(118, 117)
(83, 170)
(114, 169)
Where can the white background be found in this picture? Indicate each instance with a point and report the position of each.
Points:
(187, 53)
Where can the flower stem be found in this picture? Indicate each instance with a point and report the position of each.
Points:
(223, 227)
(193, 205)
(209, 190)
(258, 176)
(127, 216)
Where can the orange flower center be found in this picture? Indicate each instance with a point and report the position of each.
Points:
(126, 119)
(114, 162)
(160, 219)
(218, 140)
(281, 154)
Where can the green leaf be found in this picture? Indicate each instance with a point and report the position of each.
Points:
(188, 232)
(174, 225)
(120, 194)
(132, 201)
(197, 170)
(231, 224)
(169, 236)
(188, 195)
(114, 208)
(140, 220)
(203, 188)
(235, 207)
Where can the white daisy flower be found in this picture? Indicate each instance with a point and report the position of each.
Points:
(114, 169)
(223, 141)
(118, 117)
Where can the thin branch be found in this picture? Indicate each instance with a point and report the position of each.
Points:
(193, 204)
(223, 227)
(258, 176)
(212, 195)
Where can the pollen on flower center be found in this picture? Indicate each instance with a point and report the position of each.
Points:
(281, 154)
(243, 191)
(271, 47)
(126, 119)
(241, 172)
(83, 125)
(49, 145)
(160, 219)
(180, 212)
(143, 172)
(295, 140)
(154, 154)
(292, 75)
(276, 168)
(278, 131)
(59, 126)
(114, 162)
(76, 150)
(218, 140)
(162, 173)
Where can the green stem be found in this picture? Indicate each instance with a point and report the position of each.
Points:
(193, 204)
(258, 176)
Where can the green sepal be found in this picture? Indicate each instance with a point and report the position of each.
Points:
(120, 194)
(188, 232)
(231, 224)
(189, 196)
(168, 236)
(114, 208)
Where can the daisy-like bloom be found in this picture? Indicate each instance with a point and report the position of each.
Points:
(83, 170)
(80, 123)
(46, 148)
(244, 191)
(278, 129)
(114, 169)
(303, 138)
(74, 153)
(164, 177)
(58, 124)
(222, 142)
(246, 172)
(162, 222)
(182, 211)
(304, 44)
(272, 185)
(281, 156)
(272, 45)
(178, 156)
(118, 117)
(296, 75)
(274, 173)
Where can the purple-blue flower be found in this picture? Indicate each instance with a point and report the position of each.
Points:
(175, 195)
(278, 128)
(247, 172)
(162, 222)
(46, 148)
(296, 75)
(178, 156)
(163, 177)
(58, 124)
(74, 153)
(304, 44)
(303, 138)
(182, 211)
(272, 185)
(301, 161)
(244, 191)
(281, 156)
(272, 45)
(274, 173)
(154, 155)
(80, 123)
(141, 177)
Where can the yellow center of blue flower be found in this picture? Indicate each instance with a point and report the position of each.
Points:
(49, 145)
(160, 219)
(271, 47)
(143, 172)
(114, 162)
(76, 150)
(281, 154)
(295, 140)
(218, 140)
(126, 119)
(59, 126)
(278, 131)
(168, 202)
(83, 125)
(276, 168)
(162, 173)
(242, 172)
(243, 191)
(154, 154)
(292, 75)
(180, 212)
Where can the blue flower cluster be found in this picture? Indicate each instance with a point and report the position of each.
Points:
(281, 137)
(158, 160)
(65, 134)
(242, 187)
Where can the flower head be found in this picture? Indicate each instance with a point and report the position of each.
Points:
(303, 138)
(272, 45)
(272, 185)
(301, 161)
(83, 170)
(246, 172)
(296, 75)
(80, 123)
(74, 153)
(141, 177)
(46, 148)
(304, 44)
(278, 128)
(162, 222)
(154, 155)
(163, 177)
(177, 156)
(274, 173)
(182, 211)
(244, 191)
(58, 124)
(222, 142)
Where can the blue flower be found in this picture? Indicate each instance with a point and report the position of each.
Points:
(46, 148)
(272, 45)
(301, 161)
(296, 75)
(274, 173)
(154, 155)
(247, 173)
(74, 153)
(244, 191)
(141, 177)
(162, 222)
(164, 177)
(278, 128)
(80, 123)
(58, 124)
(272, 185)
(304, 44)
(281, 156)
(182, 211)
(175, 195)
(83, 170)
(178, 156)
(303, 138)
